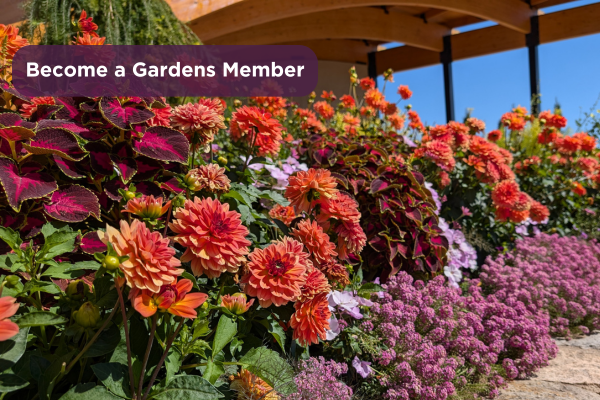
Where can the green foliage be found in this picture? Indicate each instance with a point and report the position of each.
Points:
(129, 22)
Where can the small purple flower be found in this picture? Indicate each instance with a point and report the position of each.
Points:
(362, 367)
(466, 212)
(409, 141)
(334, 328)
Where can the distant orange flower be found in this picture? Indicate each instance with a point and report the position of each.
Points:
(203, 119)
(324, 109)
(502, 214)
(495, 135)
(518, 216)
(214, 237)
(211, 177)
(8, 308)
(415, 121)
(248, 122)
(147, 207)
(316, 283)
(174, 299)
(444, 179)
(476, 125)
(277, 273)
(89, 40)
(162, 116)
(397, 121)
(285, 214)
(374, 98)
(514, 121)
(86, 25)
(311, 320)
(404, 92)
(27, 109)
(438, 152)
(151, 262)
(347, 101)
(329, 96)
(351, 120)
(587, 164)
(388, 108)
(505, 193)
(367, 83)
(306, 188)
(538, 212)
(578, 189)
(587, 142)
(274, 105)
(11, 40)
(315, 241)
(569, 145)
(336, 273)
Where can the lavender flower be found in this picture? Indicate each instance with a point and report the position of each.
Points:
(362, 367)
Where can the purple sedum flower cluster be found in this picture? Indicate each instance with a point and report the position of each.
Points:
(434, 341)
(319, 380)
(552, 275)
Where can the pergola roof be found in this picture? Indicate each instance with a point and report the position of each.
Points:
(348, 30)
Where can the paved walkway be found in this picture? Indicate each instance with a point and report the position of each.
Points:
(573, 375)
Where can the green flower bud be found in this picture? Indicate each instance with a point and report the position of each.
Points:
(77, 289)
(12, 281)
(129, 195)
(222, 160)
(88, 315)
(111, 263)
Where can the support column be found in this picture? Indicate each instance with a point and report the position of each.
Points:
(532, 40)
(372, 66)
(446, 59)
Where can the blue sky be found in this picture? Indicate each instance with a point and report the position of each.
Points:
(493, 84)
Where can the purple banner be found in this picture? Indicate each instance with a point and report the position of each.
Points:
(149, 71)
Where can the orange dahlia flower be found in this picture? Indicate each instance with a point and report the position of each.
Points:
(89, 40)
(27, 109)
(397, 121)
(316, 283)
(341, 207)
(250, 387)
(236, 303)
(336, 273)
(11, 40)
(175, 299)
(285, 214)
(578, 189)
(367, 83)
(151, 262)
(495, 135)
(587, 142)
(538, 212)
(347, 101)
(374, 98)
(311, 320)
(214, 237)
(306, 188)
(324, 109)
(147, 207)
(351, 239)
(258, 126)
(8, 308)
(210, 177)
(277, 273)
(569, 145)
(162, 116)
(204, 118)
(85, 24)
(505, 193)
(439, 152)
(404, 92)
(315, 241)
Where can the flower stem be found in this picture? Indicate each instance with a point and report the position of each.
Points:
(147, 355)
(162, 359)
(126, 328)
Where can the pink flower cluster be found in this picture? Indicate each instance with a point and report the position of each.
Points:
(551, 275)
(435, 341)
(318, 380)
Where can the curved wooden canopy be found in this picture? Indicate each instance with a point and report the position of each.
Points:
(217, 18)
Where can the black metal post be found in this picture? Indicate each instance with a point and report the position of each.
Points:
(532, 40)
(446, 59)
(372, 66)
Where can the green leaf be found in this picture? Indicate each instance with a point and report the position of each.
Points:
(115, 377)
(107, 342)
(270, 367)
(10, 383)
(57, 243)
(34, 286)
(12, 262)
(60, 271)
(172, 363)
(243, 199)
(213, 371)
(12, 239)
(276, 197)
(41, 318)
(188, 387)
(12, 349)
(246, 214)
(275, 329)
(83, 265)
(106, 294)
(226, 330)
(368, 288)
(88, 391)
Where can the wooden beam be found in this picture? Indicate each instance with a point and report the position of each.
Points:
(12, 11)
(238, 15)
(561, 25)
(344, 50)
(352, 23)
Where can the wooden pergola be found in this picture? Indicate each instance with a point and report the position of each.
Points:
(354, 30)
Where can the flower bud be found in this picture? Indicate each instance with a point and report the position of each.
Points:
(111, 263)
(222, 160)
(191, 181)
(12, 281)
(237, 303)
(237, 103)
(77, 289)
(88, 315)
(129, 195)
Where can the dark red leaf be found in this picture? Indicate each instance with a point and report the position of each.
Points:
(100, 157)
(147, 168)
(73, 203)
(126, 167)
(45, 111)
(162, 143)
(91, 243)
(123, 117)
(33, 224)
(68, 167)
(20, 187)
(57, 141)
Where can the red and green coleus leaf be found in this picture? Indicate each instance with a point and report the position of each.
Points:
(6, 87)
(75, 127)
(147, 168)
(164, 144)
(57, 141)
(122, 159)
(73, 203)
(24, 186)
(91, 243)
(14, 128)
(100, 158)
(33, 224)
(45, 111)
(68, 167)
(70, 109)
(111, 188)
(123, 116)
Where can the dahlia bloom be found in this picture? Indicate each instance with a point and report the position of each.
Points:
(587, 164)
(341, 207)
(351, 239)
(27, 109)
(587, 142)
(306, 188)
(86, 25)
(495, 135)
(367, 83)
(310, 322)
(336, 273)
(210, 177)
(514, 121)
(324, 109)
(315, 241)
(89, 40)
(316, 283)
(476, 125)
(147, 207)
(175, 299)
(258, 126)
(8, 308)
(162, 116)
(404, 92)
(505, 193)
(250, 387)
(569, 145)
(578, 189)
(397, 121)
(151, 262)
(274, 105)
(347, 101)
(236, 303)
(214, 237)
(439, 152)
(11, 40)
(285, 214)
(204, 118)
(374, 98)
(277, 273)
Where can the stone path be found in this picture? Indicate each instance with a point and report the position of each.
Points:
(573, 375)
